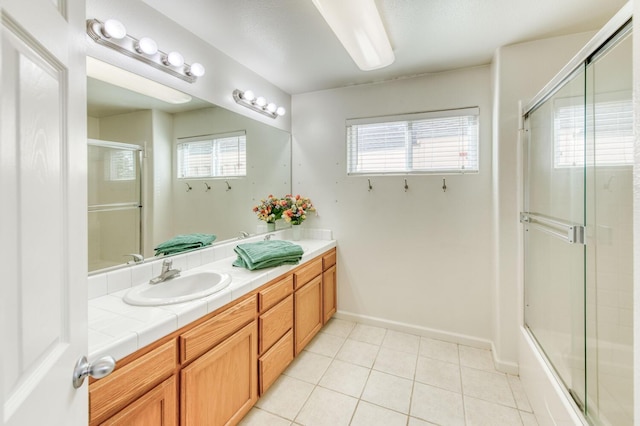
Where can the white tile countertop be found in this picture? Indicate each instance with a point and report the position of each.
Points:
(119, 329)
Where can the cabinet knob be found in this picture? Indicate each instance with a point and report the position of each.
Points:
(98, 369)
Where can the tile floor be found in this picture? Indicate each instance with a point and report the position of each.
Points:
(354, 374)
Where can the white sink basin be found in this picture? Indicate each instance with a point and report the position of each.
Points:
(177, 290)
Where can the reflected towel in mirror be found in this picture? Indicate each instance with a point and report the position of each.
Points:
(181, 243)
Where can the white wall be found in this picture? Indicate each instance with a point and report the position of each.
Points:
(519, 72)
(423, 257)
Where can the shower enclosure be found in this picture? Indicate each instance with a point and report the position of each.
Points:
(115, 207)
(578, 276)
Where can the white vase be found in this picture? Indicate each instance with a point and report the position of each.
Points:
(297, 230)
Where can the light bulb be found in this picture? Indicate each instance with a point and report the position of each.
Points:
(196, 69)
(173, 58)
(147, 45)
(248, 95)
(281, 111)
(112, 28)
(260, 101)
(271, 107)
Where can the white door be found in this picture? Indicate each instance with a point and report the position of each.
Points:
(42, 212)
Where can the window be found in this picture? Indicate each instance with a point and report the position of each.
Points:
(122, 165)
(213, 156)
(432, 142)
(611, 122)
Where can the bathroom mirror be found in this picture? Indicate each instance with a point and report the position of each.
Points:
(133, 142)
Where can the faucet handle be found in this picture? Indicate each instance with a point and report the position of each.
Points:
(137, 258)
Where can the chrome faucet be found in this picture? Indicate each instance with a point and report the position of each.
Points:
(166, 274)
(243, 235)
(268, 237)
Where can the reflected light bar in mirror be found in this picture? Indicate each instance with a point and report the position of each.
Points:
(258, 104)
(128, 80)
(358, 26)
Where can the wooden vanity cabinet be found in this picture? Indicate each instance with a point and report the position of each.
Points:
(275, 331)
(158, 407)
(308, 303)
(220, 387)
(134, 380)
(211, 371)
(329, 289)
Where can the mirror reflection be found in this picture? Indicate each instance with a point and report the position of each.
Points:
(157, 170)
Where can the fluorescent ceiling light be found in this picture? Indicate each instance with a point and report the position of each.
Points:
(128, 80)
(358, 26)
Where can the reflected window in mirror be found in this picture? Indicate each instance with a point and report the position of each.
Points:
(212, 156)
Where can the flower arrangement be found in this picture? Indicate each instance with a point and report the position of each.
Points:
(270, 209)
(296, 209)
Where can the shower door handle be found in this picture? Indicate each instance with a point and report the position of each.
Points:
(569, 232)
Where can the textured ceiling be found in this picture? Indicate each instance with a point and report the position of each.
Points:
(289, 44)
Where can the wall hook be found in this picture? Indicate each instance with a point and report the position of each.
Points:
(406, 185)
(370, 187)
(207, 186)
(444, 185)
(228, 186)
(189, 188)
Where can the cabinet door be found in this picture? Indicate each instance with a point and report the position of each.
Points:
(220, 387)
(308, 312)
(329, 299)
(158, 407)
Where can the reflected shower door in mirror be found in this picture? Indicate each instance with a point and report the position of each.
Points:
(114, 197)
(209, 201)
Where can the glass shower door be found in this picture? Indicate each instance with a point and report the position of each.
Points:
(609, 283)
(554, 218)
(114, 196)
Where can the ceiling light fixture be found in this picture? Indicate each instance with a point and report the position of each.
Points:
(113, 34)
(258, 104)
(358, 26)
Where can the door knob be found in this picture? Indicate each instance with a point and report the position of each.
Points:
(98, 369)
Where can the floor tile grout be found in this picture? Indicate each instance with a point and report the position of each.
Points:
(344, 336)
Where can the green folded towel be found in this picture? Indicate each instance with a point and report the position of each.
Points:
(185, 242)
(266, 254)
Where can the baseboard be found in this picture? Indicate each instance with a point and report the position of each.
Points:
(462, 339)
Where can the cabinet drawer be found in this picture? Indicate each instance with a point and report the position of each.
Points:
(275, 323)
(307, 273)
(199, 339)
(109, 395)
(328, 260)
(275, 293)
(274, 361)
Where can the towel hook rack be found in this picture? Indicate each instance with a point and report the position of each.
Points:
(207, 186)
(189, 188)
(406, 186)
(228, 186)
(370, 187)
(444, 185)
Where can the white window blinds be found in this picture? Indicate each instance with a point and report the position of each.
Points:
(611, 123)
(122, 165)
(212, 156)
(432, 142)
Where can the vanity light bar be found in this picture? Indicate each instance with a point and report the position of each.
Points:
(258, 104)
(113, 34)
